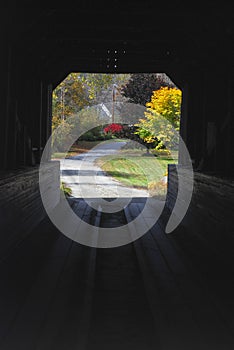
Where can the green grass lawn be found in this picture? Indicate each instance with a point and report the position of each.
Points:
(135, 169)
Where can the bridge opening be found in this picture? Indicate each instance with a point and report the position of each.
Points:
(114, 134)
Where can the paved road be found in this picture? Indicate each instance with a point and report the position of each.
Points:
(87, 180)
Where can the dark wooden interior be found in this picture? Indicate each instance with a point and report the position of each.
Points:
(164, 291)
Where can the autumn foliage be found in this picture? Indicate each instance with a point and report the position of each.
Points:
(113, 128)
(167, 102)
(162, 118)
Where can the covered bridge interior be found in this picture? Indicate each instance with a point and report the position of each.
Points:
(49, 296)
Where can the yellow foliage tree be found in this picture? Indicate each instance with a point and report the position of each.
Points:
(167, 102)
(162, 118)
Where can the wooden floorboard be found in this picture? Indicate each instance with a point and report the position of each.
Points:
(171, 311)
(154, 293)
(190, 303)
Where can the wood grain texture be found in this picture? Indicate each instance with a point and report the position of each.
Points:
(21, 208)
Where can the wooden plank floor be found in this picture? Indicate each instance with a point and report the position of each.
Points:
(161, 292)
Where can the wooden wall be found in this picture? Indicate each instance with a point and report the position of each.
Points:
(209, 218)
(21, 207)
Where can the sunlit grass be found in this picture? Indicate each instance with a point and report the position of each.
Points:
(135, 170)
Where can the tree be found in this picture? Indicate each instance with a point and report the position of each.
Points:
(140, 87)
(69, 97)
(167, 102)
(79, 90)
(77, 95)
(162, 118)
(100, 86)
(62, 137)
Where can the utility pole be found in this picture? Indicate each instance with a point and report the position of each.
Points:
(114, 92)
(62, 103)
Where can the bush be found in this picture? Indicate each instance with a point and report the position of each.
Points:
(65, 189)
(113, 128)
(95, 134)
(88, 136)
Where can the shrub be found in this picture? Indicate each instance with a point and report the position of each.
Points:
(65, 189)
(114, 129)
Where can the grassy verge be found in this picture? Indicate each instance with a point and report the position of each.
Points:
(135, 171)
(139, 170)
